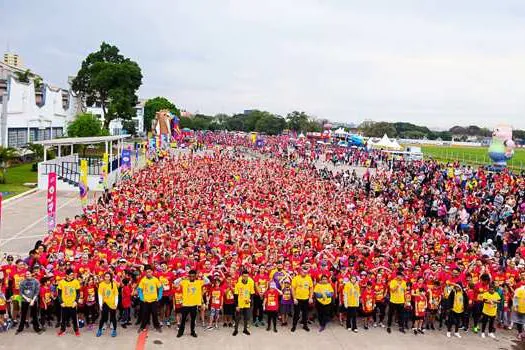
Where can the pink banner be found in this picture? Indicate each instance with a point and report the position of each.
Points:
(51, 200)
(1, 198)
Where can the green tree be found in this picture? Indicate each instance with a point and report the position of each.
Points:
(154, 105)
(85, 125)
(7, 154)
(129, 126)
(24, 77)
(38, 150)
(108, 77)
(270, 124)
(297, 121)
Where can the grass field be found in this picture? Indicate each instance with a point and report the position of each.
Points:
(16, 176)
(471, 155)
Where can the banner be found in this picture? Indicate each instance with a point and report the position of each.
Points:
(1, 198)
(126, 160)
(51, 201)
(83, 184)
(103, 179)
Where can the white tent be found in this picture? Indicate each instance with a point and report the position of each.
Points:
(340, 132)
(384, 142)
(395, 145)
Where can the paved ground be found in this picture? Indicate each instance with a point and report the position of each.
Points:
(24, 219)
(334, 338)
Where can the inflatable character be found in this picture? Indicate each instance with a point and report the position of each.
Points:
(501, 147)
(161, 125)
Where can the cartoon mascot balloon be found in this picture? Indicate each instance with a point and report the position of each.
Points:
(502, 147)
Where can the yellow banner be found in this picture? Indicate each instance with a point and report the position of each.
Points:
(83, 185)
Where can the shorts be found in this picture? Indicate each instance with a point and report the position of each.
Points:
(285, 309)
(419, 318)
(166, 300)
(215, 313)
(3, 312)
(229, 309)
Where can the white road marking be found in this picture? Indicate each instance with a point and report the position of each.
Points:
(27, 228)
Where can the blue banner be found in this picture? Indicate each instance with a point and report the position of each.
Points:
(126, 159)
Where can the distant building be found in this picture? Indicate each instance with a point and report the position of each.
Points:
(13, 59)
(116, 126)
(29, 113)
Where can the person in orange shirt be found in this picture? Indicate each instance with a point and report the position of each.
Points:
(380, 294)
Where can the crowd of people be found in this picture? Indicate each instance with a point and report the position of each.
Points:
(275, 237)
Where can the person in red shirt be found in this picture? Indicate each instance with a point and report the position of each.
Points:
(379, 289)
(126, 303)
(46, 302)
(229, 302)
(166, 278)
(368, 304)
(271, 305)
(420, 309)
(261, 285)
(215, 302)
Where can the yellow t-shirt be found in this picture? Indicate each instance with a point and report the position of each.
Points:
(69, 290)
(397, 291)
(301, 287)
(244, 293)
(191, 292)
(519, 300)
(459, 305)
(108, 293)
(351, 292)
(326, 291)
(490, 303)
(150, 288)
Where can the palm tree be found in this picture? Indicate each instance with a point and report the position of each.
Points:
(6, 155)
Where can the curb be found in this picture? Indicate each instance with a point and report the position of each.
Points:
(23, 194)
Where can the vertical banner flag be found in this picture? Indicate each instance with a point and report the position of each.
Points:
(103, 180)
(83, 184)
(254, 137)
(1, 198)
(51, 201)
(126, 159)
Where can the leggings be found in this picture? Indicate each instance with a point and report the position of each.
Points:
(272, 318)
(381, 308)
(476, 312)
(323, 313)
(351, 317)
(112, 313)
(395, 309)
(454, 319)
(490, 320)
(91, 313)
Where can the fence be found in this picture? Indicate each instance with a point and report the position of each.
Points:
(446, 155)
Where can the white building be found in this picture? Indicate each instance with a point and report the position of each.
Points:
(28, 114)
(115, 126)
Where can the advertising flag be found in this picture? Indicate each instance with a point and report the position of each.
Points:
(83, 184)
(51, 201)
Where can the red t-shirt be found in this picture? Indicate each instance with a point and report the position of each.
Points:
(271, 300)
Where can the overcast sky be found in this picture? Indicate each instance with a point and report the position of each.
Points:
(432, 62)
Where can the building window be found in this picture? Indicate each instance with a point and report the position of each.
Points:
(16, 137)
(57, 132)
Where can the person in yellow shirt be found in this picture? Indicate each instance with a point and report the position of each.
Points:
(243, 292)
(68, 294)
(108, 301)
(302, 292)
(150, 292)
(518, 308)
(191, 300)
(458, 301)
(396, 288)
(351, 296)
(323, 293)
(490, 298)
